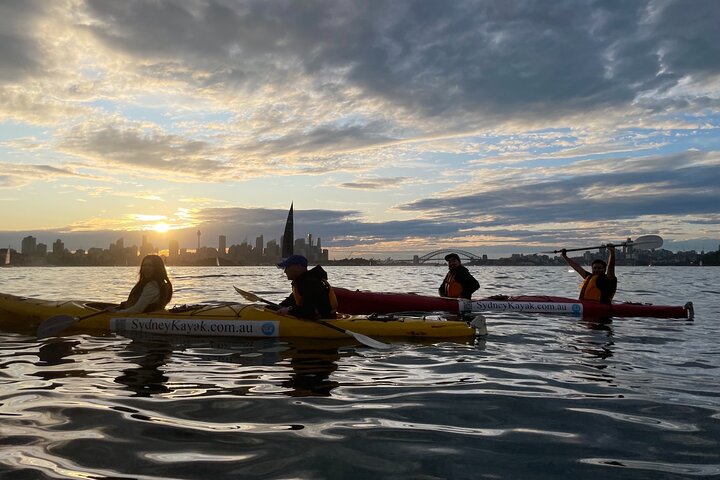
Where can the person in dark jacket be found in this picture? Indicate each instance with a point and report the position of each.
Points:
(312, 296)
(459, 282)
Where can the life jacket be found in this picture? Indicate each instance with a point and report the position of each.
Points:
(598, 287)
(136, 292)
(331, 296)
(453, 288)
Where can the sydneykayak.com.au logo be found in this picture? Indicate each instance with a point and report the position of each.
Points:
(196, 326)
(527, 307)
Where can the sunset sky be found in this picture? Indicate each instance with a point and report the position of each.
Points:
(396, 127)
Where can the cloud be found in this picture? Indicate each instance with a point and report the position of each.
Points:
(518, 118)
(682, 184)
(498, 58)
(374, 183)
(134, 148)
(15, 175)
(21, 53)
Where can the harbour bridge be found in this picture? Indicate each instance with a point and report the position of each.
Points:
(440, 254)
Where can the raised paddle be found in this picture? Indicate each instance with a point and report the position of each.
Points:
(364, 339)
(646, 242)
(54, 325)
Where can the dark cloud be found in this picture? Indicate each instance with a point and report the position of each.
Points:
(689, 190)
(326, 139)
(504, 56)
(19, 51)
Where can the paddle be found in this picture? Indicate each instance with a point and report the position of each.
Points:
(364, 339)
(647, 242)
(52, 326)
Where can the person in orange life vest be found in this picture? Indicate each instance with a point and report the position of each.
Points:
(458, 283)
(312, 296)
(599, 284)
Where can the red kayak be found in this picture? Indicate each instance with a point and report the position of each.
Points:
(358, 302)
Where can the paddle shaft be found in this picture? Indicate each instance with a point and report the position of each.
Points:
(654, 240)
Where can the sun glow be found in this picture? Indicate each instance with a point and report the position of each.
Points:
(162, 227)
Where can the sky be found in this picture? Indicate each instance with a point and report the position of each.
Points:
(395, 127)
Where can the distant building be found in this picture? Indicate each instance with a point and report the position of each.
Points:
(173, 248)
(28, 245)
(58, 248)
(222, 245)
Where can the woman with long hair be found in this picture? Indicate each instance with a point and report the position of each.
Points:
(152, 291)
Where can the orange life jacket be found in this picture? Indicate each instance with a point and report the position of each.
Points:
(453, 288)
(592, 290)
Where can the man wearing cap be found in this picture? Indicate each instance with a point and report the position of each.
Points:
(458, 283)
(312, 296)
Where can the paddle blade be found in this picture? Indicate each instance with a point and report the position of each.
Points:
(370, 342)
(54, 325)
(248, 295)
(647, 242)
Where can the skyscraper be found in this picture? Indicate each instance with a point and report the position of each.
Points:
(28, 245)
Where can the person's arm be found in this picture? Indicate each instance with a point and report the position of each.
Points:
(575, 266)
(442, 290)
(468, 282)
(288, 302)
(149, 295)
(611, 261)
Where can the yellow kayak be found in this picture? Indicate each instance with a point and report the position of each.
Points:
(24, 315)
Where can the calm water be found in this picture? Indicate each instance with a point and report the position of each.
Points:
(539, 397)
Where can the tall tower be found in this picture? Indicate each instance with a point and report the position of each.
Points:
(222, 244)
(198, 234)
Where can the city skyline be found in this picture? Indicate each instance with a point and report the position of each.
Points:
(493, 127)
(270, 251)
(308, 246)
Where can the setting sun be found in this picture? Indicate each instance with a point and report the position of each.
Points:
(162, 227)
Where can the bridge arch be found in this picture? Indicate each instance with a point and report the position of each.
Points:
(440, 254)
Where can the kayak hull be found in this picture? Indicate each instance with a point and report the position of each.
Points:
(362, 303)
(24, 315)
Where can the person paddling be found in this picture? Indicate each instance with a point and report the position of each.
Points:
(459, 282)
(601, 283)
(152, 291)
(312, 296)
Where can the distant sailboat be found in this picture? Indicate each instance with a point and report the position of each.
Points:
(288, 238)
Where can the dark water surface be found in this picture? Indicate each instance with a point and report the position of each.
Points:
(539, 397)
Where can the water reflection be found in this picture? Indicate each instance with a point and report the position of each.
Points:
(59, 351)
(56, 352)
(147, 378)
(601, 350)
(167, 365)
(312, 367)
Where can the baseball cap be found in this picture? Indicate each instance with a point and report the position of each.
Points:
(293, 260)
(452, 255)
